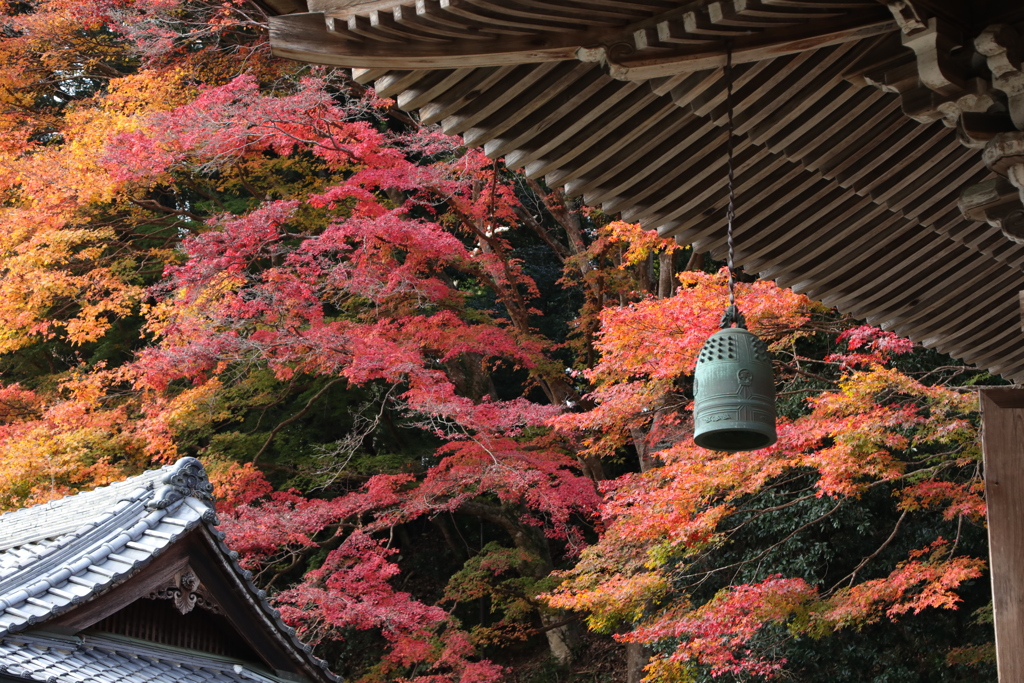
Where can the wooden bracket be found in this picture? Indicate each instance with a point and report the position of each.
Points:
(996, 202)
(983, 100)
(1000, 201)
(926, 105)
(950, 80)
(976, 129)
(1002, 46)
(907, 16)
(1003, 152)
(933, 44)
(939, 85)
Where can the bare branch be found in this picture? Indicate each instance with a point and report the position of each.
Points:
(296, 416)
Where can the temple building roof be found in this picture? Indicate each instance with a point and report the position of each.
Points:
(879, 149)
(135, 577)
(113, 659)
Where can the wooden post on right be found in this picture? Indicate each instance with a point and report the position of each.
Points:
(1002, 410)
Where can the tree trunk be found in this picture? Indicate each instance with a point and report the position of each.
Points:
(471, 379)
(448, 533)
(696, 261)
(643, 450)
(647, 273)
(562, 639)
(593, 468)
(637, 657)
(666, 275)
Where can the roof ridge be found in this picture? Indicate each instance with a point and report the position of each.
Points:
(168, 484)
(81, 528)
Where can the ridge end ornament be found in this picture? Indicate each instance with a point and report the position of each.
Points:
(187, 479)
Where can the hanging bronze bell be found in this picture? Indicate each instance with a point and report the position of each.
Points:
(734, 393)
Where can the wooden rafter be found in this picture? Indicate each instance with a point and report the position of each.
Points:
(841, 195)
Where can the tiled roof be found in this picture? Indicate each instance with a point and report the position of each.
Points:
(58, 555)
(114, 659)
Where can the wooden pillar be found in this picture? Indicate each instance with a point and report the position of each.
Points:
(1002, 410)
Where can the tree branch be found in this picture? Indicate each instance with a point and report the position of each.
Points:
(296, 416)
(853, 575)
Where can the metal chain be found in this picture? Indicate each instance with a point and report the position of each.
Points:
(732, 314)
(728, 153)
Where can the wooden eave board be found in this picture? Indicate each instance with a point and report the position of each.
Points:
(643, 38)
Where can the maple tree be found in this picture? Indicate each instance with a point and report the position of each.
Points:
(223, 245)
(378, 341)
(691, 562)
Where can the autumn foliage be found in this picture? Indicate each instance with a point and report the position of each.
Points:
(446, 409)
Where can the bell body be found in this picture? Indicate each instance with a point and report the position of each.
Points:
(734, 393)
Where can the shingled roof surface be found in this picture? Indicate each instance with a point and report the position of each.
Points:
(58, 555)
(114, 659)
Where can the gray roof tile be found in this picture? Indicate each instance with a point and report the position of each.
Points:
(42, 656)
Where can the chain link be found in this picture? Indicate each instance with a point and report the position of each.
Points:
(732, 315)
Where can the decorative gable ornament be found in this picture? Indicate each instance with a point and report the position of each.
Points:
(187, 593)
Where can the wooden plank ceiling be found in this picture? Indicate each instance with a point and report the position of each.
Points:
(839, 194)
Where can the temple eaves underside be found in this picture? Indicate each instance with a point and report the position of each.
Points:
(867, 132)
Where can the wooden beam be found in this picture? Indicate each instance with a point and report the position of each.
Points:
(1002, 410)
(752, 47)
(305, 38)
(347, 8)
(140, 585)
